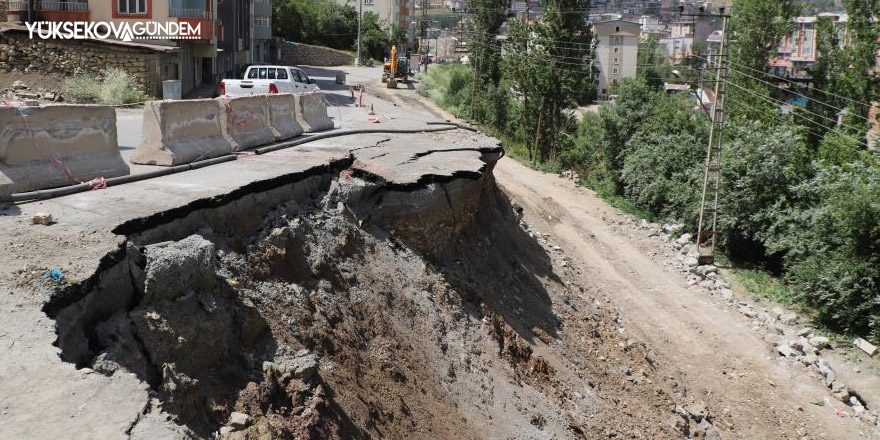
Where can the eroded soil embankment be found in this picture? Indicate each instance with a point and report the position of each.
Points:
(341, 306)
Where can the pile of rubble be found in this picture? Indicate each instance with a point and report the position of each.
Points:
(19, 91)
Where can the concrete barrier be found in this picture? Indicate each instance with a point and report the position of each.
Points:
(311, 112)
(246, 121)
(57, 145)
(180, 132)
(282, 116)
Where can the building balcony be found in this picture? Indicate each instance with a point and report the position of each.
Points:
(197, 13)
(190, 9)
(56, 10)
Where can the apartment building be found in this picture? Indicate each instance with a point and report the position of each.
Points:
(244, 36)
(390, 12)
(616, 52)
(797, 52)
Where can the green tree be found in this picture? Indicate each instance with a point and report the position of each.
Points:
(757, 27)
(485, 53)
(651, 65)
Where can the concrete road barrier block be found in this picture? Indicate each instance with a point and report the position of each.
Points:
(246, 121)
(282, 116)
(180, 132)
(58, 145)
(311, 112)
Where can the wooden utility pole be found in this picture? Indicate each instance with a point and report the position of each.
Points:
(708, 223)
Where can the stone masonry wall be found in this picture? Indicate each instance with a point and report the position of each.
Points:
(67, 58)
(306, 54)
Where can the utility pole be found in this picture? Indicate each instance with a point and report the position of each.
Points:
(707, 227)
(427, 44)
(357, 61)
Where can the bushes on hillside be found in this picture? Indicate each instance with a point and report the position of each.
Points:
(811, 214)
(832, 243)
(116, 86)
(762, 163)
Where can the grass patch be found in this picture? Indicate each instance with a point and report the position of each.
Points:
(761, 285)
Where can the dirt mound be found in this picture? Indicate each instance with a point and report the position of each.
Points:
(366, 311)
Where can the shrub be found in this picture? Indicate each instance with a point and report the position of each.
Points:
(762, 165)
(662, 174)
(833, 245)
(81, 88)
(119, 87)
(116, 87)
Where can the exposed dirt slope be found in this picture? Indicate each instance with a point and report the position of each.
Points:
(364, 306)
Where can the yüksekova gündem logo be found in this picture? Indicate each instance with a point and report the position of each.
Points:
(125, 31)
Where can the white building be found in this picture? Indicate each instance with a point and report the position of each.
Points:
(616, 52)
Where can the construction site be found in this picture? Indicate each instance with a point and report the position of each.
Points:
(355, 263)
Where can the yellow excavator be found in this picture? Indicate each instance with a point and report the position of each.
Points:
(396, 67)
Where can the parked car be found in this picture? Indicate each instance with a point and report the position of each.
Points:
(268, 79)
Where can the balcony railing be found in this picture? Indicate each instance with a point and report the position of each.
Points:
(52, 5)
(188, 9)
(190, 13)
(16, 5)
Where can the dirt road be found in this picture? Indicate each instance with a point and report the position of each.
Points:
(715, 351)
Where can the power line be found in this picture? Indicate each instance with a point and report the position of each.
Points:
(814, 122)
(792, 91)
(806, 86)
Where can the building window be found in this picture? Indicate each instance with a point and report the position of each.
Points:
(616, 50)
(368, 2)
(132, 6)
(615, 72)
(262, 21)
(617, 29)
(617, 61)
(614, 82)
(617, 39)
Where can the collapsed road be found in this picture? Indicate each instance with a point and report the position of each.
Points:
(371, 286)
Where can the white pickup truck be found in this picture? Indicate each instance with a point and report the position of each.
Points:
(268, 79)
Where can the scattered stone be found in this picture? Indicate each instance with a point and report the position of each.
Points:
(788, 318)
(305, 367)
(705, 270)
(671, 228)
(706, 431)
(865, 346)
(778, 329)
(19, 85)
(856, 405)
(804, 331)
(808, 359)
(748, 312)
(774, 339)
(43, 218)
(684, 239)
(839, 391)
(690, 262)
(819, 342)
(239, 420)
(697, 412)
(226, 430)
(786, 350)
(726, 294)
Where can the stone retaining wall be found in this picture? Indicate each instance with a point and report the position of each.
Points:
(67, 58)
(293, 54)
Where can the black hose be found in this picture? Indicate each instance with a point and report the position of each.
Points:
(81, 187)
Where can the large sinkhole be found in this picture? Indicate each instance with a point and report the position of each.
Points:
(332, 307)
